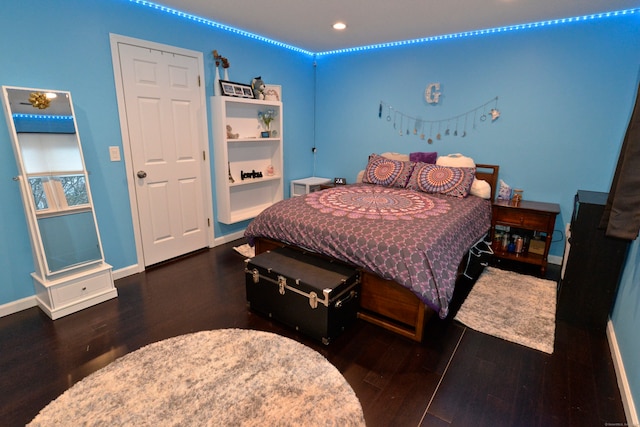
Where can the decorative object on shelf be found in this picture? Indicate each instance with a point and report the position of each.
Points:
(270, 170)
(231, 180)
(252, 174)
(517, 196)
(475, 114)
(432, 93)
(220, 60)
(266, 117)
(258, 87)
(273, 93)
(230, 134)
(239, 90)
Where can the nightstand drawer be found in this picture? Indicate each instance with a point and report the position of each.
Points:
(519, 218)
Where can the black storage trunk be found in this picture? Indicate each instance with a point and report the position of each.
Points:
(318, 297)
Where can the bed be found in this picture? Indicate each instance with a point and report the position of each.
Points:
(409, 241)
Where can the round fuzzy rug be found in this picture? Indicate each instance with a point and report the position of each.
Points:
(228, 377)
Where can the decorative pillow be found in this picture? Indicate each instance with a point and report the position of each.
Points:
(480, 188)
(429, 178)
(387, 172)
(429, 157)
(396, 156)
(456, 160)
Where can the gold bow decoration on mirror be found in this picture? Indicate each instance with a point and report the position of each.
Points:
(39, 100)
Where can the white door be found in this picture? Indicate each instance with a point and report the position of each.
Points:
(163, 104)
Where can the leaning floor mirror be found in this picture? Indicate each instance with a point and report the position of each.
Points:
(70, 271)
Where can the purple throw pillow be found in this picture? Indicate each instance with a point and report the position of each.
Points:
(424, 157)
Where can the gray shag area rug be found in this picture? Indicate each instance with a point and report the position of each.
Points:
(228, 377)
(515, 307)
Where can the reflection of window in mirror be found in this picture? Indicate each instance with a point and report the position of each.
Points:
(74, 189)
(39, 196)
(59, 193)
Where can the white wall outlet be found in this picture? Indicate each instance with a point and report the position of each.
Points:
(114, 153)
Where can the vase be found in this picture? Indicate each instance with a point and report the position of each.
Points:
(266, 133)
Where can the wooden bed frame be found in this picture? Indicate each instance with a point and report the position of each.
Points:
(386, 303)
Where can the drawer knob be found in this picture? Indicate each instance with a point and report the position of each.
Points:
(84, 288)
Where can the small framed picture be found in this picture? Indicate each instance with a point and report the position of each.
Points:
(238, 90)
(247, 92)
(273, 93)
(227, 88)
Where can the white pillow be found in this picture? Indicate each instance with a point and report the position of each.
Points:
(479, 188)
(396, 156)
(456, 161)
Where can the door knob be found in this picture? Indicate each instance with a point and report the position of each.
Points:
(141, 174)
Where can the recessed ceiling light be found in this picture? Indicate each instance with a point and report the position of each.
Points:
(339, 26)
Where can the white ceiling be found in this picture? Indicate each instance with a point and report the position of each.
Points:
(307, 24)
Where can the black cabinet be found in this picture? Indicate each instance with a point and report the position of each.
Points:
(593, 266)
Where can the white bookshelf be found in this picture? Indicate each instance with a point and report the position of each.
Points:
(248, 153)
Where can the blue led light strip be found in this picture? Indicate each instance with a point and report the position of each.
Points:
(464, 34)
(41, 117)
(219, 26)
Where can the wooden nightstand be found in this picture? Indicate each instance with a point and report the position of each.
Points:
(525, 219)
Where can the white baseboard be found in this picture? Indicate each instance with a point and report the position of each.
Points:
(623, 383)
(228, 238)
(126, 271)
(554, 259)
(28, 302)
(18, 305)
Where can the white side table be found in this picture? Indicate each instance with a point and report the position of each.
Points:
(303, 186)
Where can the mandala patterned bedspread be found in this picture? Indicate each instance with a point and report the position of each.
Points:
(414, 238)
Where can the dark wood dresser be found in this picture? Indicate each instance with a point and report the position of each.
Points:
(593, 266)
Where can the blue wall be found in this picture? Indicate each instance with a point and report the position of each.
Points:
(565, 95)
(72, 52)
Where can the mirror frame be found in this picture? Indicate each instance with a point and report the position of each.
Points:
(51, 149)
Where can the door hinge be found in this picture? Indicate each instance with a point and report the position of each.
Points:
(204, 155)
(208, 222)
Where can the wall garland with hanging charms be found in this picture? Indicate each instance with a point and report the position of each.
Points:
(488, 110)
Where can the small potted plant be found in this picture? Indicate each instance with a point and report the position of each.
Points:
(266, 117)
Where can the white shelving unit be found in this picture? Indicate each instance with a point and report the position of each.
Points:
(239, 198)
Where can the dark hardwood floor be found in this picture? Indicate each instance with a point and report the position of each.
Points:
(456, 377)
